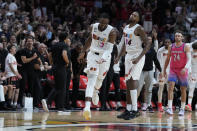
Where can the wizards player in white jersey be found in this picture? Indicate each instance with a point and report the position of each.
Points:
(132, 39)
(100, 42)
(192, 75)
(161, 56)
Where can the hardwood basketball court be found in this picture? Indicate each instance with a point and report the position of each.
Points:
(101, 121)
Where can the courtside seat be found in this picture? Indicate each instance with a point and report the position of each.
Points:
(122, 83)
(83, 82)
(80, 104)
(71, 85)
(112, 88)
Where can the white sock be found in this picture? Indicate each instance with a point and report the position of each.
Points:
(149, 98)
(128, 107)
(182, 105)
(134, 99)
(160, 93)
(170, 104)
(12, 103)
(190, 101)
(88, 104)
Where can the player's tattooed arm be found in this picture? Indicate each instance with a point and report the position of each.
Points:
(140, 32)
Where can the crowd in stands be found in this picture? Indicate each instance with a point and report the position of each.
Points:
(33, 26)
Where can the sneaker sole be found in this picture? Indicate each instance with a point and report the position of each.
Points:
(181, 114)
(86, 115)
(132, 117)
(120, 117)
(169, 113)
(44, 106)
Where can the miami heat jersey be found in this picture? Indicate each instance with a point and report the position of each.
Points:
(133, 43)
(100, 38)
(162, 55)
(178, 57)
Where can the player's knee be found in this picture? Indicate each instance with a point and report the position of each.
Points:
(91, 71)
(171, 85)
(170, 89)
(183, 89)
(17, 91)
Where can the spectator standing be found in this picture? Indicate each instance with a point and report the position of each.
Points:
(12, 74)
(58, 57)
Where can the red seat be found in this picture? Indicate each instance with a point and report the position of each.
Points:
(111, 87)
(96, 106)
(123, 103)
(71, 85)
(83, 82)
(122, 83)
(50, 77)
(80, 104)
(112, 104)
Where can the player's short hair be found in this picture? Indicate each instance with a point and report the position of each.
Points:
(139, 15)
(194, 46)
(178, 31)
(10, 47)
(104, 15)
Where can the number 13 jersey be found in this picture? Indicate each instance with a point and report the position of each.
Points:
(133, 43)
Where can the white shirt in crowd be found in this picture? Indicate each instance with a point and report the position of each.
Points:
(10, 59)
(161, 56)
(13, 6)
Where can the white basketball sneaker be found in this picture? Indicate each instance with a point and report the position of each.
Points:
(169, 111)
(95, 97)
(86, 113)
(181, 112)
(44, 105)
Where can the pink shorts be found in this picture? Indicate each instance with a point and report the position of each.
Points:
(176, 76)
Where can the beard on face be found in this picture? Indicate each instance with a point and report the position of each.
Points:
(130, 20)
